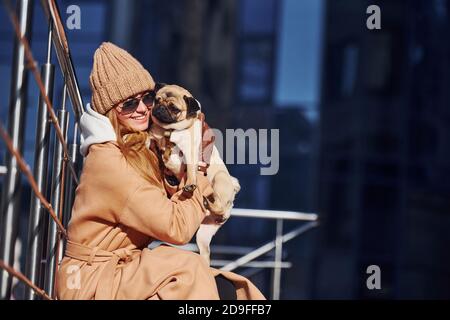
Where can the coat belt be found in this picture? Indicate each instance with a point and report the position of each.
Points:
(104, 290)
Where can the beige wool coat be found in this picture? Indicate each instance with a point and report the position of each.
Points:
(116, 215)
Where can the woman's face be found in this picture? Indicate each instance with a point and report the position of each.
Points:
(137, 120)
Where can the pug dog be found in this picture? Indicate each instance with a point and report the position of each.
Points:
(176, 119)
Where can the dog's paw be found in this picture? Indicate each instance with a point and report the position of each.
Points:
(215, 205)
(236, 184)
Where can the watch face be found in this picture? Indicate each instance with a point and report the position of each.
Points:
(190, 188)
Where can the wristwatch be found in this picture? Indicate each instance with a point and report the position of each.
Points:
(189, 188)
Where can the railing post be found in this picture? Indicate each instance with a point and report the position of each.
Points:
(17, 107)
(38, 214)
(56, 200)
(74, 149)
(69, 190)
(276, 284)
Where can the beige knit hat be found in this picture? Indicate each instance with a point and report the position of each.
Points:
(116, 76)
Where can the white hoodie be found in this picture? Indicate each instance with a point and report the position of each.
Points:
(95, 128)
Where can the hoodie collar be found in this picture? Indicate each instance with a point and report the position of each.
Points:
(95, 128)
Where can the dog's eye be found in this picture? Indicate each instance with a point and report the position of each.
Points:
(174, 109)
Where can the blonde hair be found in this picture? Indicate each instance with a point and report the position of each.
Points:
(133, 146)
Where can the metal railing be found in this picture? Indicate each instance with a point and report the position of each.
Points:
(249, 254)
(44, 235)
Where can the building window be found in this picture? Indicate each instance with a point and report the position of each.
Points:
(256, 38)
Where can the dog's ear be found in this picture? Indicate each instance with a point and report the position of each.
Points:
(192, 106)
(158, 86)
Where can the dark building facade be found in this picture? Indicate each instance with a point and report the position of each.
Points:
(384, 162)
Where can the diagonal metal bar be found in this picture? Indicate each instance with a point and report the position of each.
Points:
(24, 279)
(268, 246)
(33, 65)
(27, 172)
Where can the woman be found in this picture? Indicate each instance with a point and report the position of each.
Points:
(122, 205)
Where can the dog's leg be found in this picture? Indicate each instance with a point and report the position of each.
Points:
(203, 239)
(209, 226)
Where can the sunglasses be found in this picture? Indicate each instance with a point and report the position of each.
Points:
(131, 105)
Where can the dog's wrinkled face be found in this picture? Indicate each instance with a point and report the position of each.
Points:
(173, 104)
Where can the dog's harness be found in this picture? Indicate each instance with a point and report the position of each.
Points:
(207, 145)
(205, 151)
